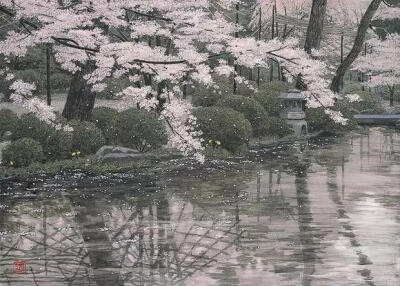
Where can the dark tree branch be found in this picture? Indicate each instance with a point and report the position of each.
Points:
(358, 45)
(388, 4)
(75, 45)
(155, 17)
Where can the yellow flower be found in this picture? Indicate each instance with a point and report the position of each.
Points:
(11, 163)
(73, 154)
(210, 141)
(218, 143)
(78, 153)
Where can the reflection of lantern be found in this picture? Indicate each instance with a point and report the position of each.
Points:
(294, 105)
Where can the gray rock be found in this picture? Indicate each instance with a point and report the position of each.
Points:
(122, 154)
(119, 154)
(115, 149)
(121, 157)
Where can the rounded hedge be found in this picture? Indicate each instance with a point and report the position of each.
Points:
(209, 95)
(277, 126)
(268, 96)
(369, 103)
(22, 152)
(104, 118)
(271, 103)
(86, 137)
(318, 120)
(8, 121)
(60, 81)
(275, 87)
(225, 125)
(353, 87)
(56, 144)
(251, 110)
(113, 87)
(140, 129)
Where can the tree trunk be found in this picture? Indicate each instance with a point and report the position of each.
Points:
(80, 99)
(316, 25)
(391, 96)
(48, 72)
(358, 44)
(314, 32)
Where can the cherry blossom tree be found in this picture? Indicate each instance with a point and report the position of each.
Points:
(158, 45)
(382, 63)
(376, 8)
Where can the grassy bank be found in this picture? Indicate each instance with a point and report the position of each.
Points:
(90, 165)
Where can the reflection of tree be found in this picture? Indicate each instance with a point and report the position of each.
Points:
(154, 251)
(141, 246)
(305, 219)
(97, 244)
(345, 223)
(51, 245)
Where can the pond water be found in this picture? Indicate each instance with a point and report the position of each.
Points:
(323, 212)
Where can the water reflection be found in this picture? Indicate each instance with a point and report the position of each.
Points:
(313, 213)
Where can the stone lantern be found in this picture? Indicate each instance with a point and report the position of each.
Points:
(294, 111)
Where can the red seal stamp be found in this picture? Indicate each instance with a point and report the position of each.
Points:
(19, 267)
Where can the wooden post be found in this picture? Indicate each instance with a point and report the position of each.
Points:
(185, 87)
(362, 74)
(273, 23)
(236, 36)
(391, 96)
(279, 72)
(250, 74)
(341, 57)
(276, 24)
(48, 83)
(271, 71)
(259, 38)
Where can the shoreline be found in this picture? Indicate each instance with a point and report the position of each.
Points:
(94, 166)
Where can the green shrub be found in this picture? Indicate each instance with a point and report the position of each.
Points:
(104, 118)
(209, 96)
(86, 137)
(268, 96)
(8, 121)
(33, 76)
(140, 129)
(60, 81)
(206, 98)
(220, 153)
(369, 103)
(60, 119)
(225, 125)
(318, 120)
(114, 86)
(22, 152)
(5, 91)
(34, 59)
(251, 110)
(352, 87)
(274, 88)
(277, 126)
(271, 103)
(203, 96)
(56, 143)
